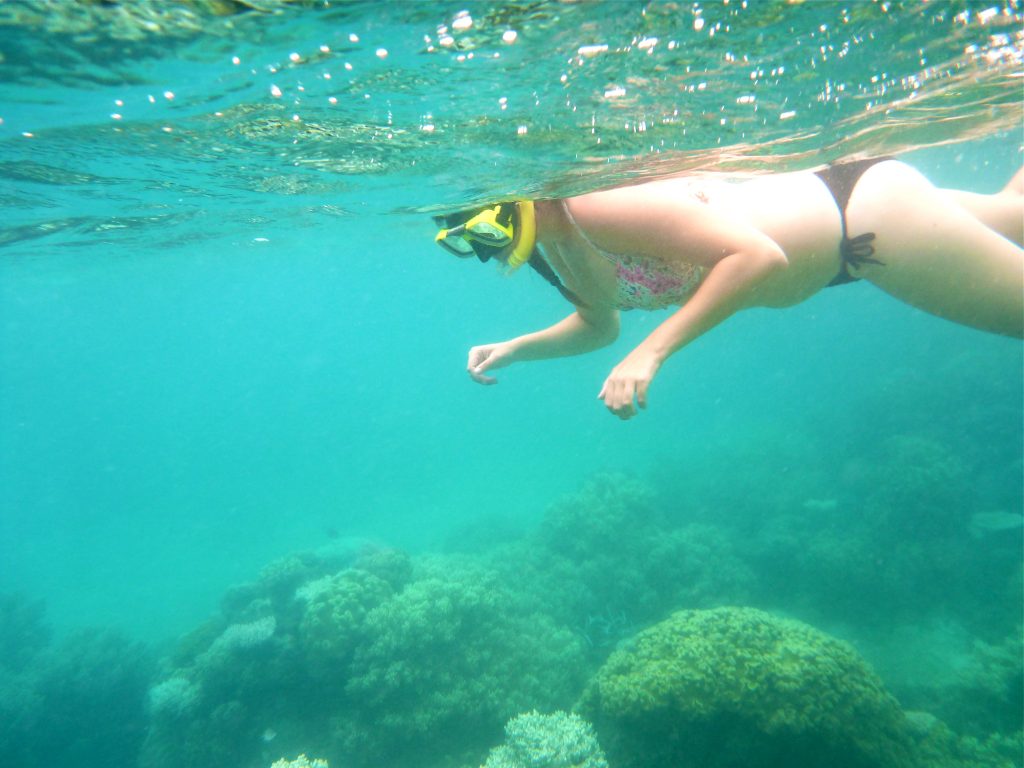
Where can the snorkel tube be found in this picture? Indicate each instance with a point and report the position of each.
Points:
(525, 234)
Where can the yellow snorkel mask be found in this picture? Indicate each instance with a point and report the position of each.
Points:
(489, 232)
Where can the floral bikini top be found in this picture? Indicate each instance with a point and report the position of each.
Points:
(646, 283)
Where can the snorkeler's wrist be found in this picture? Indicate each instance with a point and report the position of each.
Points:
(655, 353)
(514, 349)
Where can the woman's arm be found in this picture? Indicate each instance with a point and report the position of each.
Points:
(732, 284)
(654, 222)
(583, 331)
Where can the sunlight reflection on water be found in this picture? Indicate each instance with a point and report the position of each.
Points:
(492, 100)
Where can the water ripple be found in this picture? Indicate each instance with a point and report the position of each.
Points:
(427, 110)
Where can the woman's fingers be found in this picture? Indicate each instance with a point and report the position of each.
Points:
(641, 393)
(476, 372)
(480, 360)
(481, 379)
(476, 356)
(618, 397)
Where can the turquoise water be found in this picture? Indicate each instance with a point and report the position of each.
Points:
(226, 340)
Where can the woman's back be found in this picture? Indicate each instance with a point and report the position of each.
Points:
(795, 210)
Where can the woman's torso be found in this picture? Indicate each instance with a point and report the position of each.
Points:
(794, 209)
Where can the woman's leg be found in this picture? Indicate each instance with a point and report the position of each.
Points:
(1002, 212)
(937, 254)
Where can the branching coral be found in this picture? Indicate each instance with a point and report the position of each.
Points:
(559, 740)
(300, 762)
(239, 637)
(777, 689)
(173, 698)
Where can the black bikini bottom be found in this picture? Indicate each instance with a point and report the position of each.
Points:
(841, 178)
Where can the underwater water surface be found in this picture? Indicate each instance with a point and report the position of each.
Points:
(251, 506)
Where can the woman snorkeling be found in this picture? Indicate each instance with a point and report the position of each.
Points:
(714, 247)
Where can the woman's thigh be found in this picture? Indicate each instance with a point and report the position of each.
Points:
(935, 254)
(1003, 212)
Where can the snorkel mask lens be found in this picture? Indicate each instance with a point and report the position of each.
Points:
(454, 241)
(489, 232)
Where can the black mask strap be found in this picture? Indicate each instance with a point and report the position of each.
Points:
(542, 268)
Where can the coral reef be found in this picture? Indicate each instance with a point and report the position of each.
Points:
(247, 673)
(300, 762)
(274, 590)
(943, 669)
(917, 487)
(939, 747)
(605, 561)
(369, 657)
(704, 687)
(336, 608)
(558, 740)
(23, 630)
(239, 637)
(94, 690)
(447, 661)
(373, 664)
(888, 541)
(82, 697)
(392, 565)
(173, 698)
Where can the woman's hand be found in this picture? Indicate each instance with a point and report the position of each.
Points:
(489, 357)
(629, 381)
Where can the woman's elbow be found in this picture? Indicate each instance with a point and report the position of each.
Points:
(772, 259)
(607, 332)
(610, 333)
(605, 328)
(757, 261)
